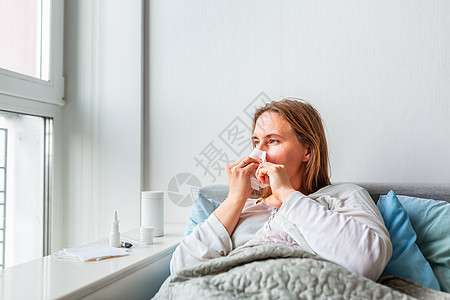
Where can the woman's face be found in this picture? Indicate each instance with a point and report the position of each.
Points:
(275, 135)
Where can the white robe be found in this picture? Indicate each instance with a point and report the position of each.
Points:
(340, 223)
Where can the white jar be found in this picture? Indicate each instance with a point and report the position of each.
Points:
(146, 236)
(152, 211)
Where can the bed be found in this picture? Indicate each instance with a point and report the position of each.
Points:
(416, 215)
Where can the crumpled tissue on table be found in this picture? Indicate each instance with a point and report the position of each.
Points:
(253, 180)
(91, 252)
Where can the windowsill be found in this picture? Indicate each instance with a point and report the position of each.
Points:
(51, 278)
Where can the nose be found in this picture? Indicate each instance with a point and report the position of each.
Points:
(262, 147)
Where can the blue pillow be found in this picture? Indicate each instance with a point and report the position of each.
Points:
(431, 222)
(201, 209)
(407, 260)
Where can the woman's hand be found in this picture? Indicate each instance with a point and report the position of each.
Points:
(238, 175)
(278, 177)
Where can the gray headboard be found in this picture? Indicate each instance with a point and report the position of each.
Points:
(219, 192)
(420, 190)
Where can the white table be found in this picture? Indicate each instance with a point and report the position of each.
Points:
(135, 276)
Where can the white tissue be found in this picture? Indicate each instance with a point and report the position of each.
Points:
(91, 252)
(254, 182)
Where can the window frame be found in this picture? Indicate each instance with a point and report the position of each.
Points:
(21, 86)
(28, 95)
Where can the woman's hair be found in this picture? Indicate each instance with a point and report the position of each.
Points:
(307, 124)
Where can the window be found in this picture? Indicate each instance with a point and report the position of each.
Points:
(31, 50)
(24, 37)
(31, 97)
(25, 158)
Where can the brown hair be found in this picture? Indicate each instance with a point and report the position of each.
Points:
(307, 124)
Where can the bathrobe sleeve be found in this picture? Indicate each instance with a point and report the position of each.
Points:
(208, 240)
(345, 228)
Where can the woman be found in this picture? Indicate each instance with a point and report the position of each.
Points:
(340, 223)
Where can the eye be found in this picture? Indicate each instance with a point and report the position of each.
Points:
(272, 141)
(255, 142)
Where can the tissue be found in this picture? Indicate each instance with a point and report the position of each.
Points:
(254, 182)
(90, 252)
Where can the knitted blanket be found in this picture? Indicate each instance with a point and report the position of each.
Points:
(276, 271)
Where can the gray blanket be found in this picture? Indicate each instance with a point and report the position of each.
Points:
(277, 271)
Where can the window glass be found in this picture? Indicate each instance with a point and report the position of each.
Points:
(25, 37)
(22, 183)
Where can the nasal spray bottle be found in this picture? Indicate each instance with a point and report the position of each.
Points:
(114, 236)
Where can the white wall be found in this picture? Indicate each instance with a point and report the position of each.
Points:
(102, 117)
(378, 71)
